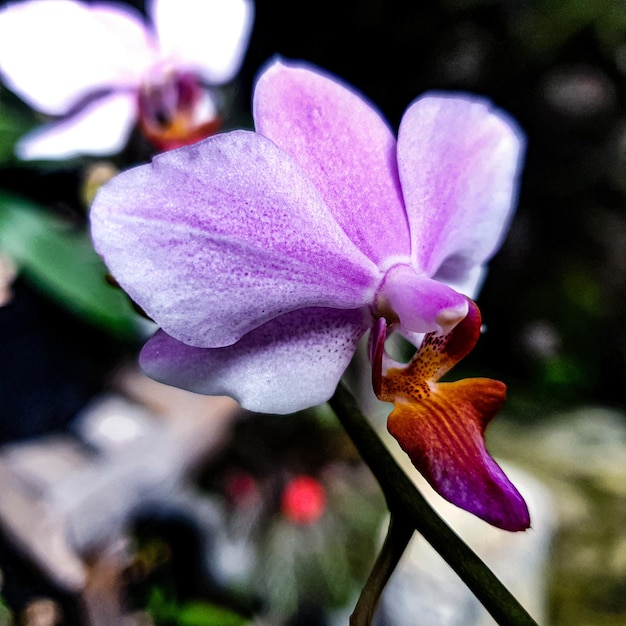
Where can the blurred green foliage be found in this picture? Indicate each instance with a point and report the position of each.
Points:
(15, 120)
(60, 260)
(168, 612)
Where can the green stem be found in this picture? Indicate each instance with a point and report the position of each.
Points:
(398, 536)
(407, 503)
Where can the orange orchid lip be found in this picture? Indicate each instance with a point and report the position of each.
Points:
(441, 425)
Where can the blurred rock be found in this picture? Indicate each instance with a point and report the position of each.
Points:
(68, 503)
(42, 612)
(581, 457)
(586, 444)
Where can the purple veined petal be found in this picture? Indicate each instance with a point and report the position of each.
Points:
(293, 362)
(208, 36)
(346, 149)
(459, 161)
(217, 238)
(101, 128)
(53, 53)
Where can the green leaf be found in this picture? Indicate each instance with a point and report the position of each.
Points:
(202, 614)
(164, 609)
(14, 122)
(61, 262)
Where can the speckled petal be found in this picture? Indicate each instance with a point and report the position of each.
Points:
(459, 161)
(291, 363)
(346, 149)
(218, 238)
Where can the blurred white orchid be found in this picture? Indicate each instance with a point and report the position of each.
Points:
(101, 69)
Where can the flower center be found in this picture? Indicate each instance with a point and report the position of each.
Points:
(176, 110)
(419, 303)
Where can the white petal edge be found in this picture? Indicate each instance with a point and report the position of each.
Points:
(468, 283)
(102, 128)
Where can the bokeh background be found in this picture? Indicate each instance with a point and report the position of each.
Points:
(554, 301)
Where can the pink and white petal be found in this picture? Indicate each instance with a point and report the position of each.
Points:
(459, 161)
(101, 128)
(466, 281)
(291, 363)
(53, 53)
(217, 238)
(208, 36)
(133, 49)
(345, 147)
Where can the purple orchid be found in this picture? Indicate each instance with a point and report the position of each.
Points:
(100, 68)
(266, 256)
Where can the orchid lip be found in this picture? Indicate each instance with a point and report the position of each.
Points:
(441, 425)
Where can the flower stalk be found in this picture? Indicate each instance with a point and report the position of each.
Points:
(407, 503)
(398, 536)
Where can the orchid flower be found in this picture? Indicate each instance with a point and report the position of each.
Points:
(266, 256)
(101, 69)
